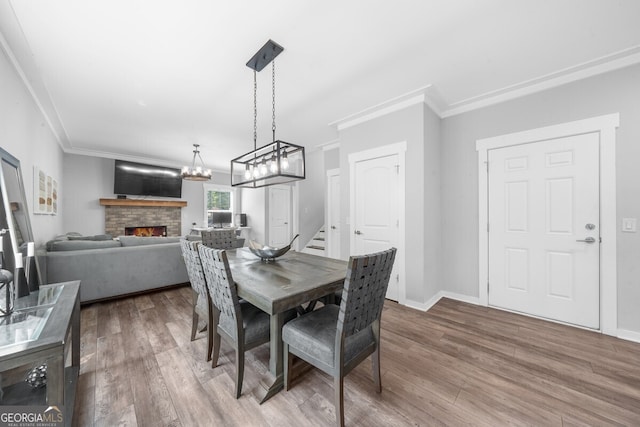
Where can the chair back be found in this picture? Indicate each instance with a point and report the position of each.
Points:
(221, 286)
(219, 239)
(194, 267)
(364, 290)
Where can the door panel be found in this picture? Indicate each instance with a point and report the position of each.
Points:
(376, 224)
(279, 216)
(541, 198)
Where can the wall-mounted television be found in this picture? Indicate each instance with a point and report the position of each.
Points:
(139, 179)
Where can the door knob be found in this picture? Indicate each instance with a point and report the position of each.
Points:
(333, 227)
(357, 232)
(590, 226)
(587, 240)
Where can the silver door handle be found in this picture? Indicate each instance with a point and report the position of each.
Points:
(357, 232)
(587, 240)
(333, 227)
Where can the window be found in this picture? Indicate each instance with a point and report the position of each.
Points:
(218, 206)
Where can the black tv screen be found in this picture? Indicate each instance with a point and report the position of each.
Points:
(219, 218)
(138, 179)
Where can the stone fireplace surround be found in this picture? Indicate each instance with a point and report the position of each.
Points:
(121, 213)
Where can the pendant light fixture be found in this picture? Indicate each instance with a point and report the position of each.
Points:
(196, 173)
(279, 161)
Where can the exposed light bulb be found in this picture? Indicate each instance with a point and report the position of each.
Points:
(263, 168)
(284, 161)
(256, 172)
(247, 171)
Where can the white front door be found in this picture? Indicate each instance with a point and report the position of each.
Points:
(376, 226)
(544, 229)
(279, 216)
(333, 214)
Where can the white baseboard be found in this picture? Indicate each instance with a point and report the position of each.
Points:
(461, 297)
(425, 306)
(629, 335)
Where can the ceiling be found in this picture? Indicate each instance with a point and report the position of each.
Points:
(144, 80)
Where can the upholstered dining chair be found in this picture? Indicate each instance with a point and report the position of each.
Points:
(199, 292)
(336, 339)
(242, 325)
(220, 238)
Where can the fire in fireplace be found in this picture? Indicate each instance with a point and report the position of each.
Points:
(146, 231)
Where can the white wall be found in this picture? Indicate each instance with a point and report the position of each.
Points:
(617, 91)
(25, 134)
(254, 204)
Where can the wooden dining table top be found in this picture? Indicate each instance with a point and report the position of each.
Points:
(285, 283)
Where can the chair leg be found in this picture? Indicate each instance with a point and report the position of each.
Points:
(216, 349)
(194, 315)
(287, 365)
(210, 328)
(239, 371)
(375, 367)
(339, 399)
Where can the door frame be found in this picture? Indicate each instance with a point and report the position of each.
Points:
(399, 149)
(330, 174)
(604, 125)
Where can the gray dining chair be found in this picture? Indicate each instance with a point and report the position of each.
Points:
(199, 292)
(220, 238)
(336, 339)
(239, 323)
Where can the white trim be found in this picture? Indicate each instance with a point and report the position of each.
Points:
(606, 126)
(426, 306)
(206, 187)
(604, 64)
(399, 149)
(389, 106)
(629, 335)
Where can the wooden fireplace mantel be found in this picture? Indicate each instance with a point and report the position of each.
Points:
(147, 203)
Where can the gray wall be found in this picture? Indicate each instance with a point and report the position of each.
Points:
(617, 91)
(25, 134)
(311, 197)
(405, 125)
(88, 179)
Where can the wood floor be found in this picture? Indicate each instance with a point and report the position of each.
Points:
(458, 364)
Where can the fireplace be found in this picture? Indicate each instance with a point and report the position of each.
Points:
(146, 231)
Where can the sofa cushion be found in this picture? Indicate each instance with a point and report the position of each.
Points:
(76, 245)
(138, 240)
(96, 237)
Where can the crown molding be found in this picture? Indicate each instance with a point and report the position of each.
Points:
(28, 71)
(424, 95)
(604, 64)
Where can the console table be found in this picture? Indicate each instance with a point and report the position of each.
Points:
(44, 327)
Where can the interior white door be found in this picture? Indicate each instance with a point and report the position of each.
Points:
(544, 229)
(376, 215)
(279, 215)
(333, 211)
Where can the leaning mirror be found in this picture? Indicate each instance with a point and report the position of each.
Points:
(15, 226)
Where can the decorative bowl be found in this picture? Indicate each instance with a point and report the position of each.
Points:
(268, 253)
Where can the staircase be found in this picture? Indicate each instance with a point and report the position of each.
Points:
(316, 245)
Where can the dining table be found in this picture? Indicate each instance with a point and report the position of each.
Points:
(277, 286)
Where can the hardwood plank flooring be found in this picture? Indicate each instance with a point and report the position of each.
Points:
(457, 364)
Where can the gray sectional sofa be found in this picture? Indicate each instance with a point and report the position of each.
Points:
(111, 268)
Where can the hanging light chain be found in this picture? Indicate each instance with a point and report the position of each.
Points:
(273, 98)
(255, 110)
